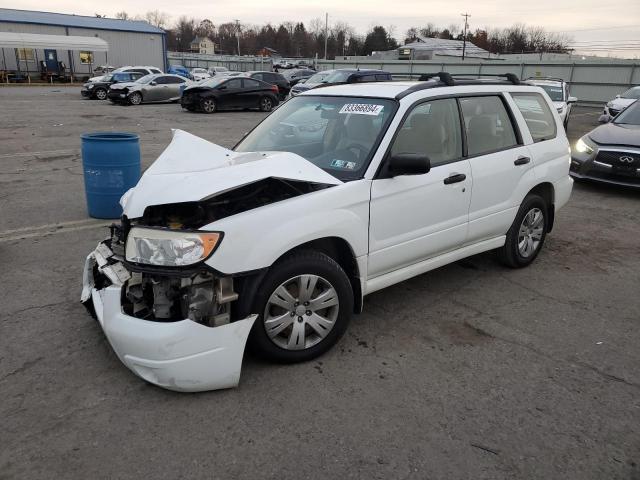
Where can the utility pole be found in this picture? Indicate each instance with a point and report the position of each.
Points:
(238, 34)
(326, 34)
(464, 35)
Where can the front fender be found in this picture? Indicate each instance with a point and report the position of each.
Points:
(257, 238)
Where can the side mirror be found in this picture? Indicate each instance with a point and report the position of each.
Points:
(153, 83)
(408, 164)
(572, 100)
(617, 96)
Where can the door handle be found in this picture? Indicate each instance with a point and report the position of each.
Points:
(522, 161)
(455, 178)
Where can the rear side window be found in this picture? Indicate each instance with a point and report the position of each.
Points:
(537, 114)
(258, 76)
(366, 78)
(487, 124)
(139, 70)
(154, 70)
(431, 129)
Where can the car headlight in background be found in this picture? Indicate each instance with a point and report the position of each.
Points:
(583, 147)
(169, 248)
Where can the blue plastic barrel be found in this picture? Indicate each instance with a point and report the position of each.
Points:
(111, 164)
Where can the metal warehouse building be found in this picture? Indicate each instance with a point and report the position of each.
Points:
(114, 42)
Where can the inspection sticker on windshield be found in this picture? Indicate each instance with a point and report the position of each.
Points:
(343, 164)
(362, 109)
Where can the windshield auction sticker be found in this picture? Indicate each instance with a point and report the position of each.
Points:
(362, 109)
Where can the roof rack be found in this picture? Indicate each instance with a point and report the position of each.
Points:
(440, 79)
(556, 79)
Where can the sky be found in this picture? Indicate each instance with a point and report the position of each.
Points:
(596, 26)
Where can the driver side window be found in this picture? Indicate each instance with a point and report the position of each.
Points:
(431, 129)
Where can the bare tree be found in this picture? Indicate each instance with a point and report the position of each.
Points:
(123, 15)
(157, 18)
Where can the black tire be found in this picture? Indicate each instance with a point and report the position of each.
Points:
(135, 98)
(266, 104)
(304, 262)
(100, 93)
(511, 254)
(208, 105)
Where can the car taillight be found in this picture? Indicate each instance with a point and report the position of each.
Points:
(274, 88)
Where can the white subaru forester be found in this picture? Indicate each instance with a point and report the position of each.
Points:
(342, 191)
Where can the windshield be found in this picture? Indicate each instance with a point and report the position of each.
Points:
(121, 77)
(146, 78)
(212, 82)
(630, 115)
(318, 77)
(107, 78)
(337, 134)
(632, 93)
(554, 91)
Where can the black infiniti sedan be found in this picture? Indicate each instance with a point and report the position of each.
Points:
(225, 93)
(611, 152)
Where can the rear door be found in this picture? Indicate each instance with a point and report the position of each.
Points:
(416, 217)
(173, 83)
(251, 92)
(500, 164)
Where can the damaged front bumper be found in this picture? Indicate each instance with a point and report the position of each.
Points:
(180, 355)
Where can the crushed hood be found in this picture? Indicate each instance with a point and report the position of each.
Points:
(193, 169)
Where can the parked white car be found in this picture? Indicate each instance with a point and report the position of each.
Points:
(340, 192)
(200, 74)
(144, 70)
(615, 106)
(213, 71)
(558, 91)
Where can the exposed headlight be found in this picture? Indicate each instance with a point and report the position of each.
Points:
(169, 248)
(582, 147)
(90, 86)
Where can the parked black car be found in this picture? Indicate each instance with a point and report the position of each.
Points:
(294, 76)
(342, 75)
(221, 93)
(99, 89)
(272, 78)
(611, 152)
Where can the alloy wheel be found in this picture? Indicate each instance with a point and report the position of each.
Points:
(301, 312)
(135, 99)
(209, 105)
(101, 94)
(530, 233)
(266, 104)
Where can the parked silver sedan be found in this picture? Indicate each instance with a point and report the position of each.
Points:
(152, 88)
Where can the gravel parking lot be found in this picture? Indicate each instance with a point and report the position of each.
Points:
(470, 371)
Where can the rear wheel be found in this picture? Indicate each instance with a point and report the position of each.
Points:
(135, 98)
(305, 303)
(527, 233)
(208, 105)
(101, 93)
(266, 104)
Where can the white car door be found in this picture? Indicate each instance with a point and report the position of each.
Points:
(415, 217)
(501, 165)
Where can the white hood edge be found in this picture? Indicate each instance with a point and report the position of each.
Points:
(192, 169)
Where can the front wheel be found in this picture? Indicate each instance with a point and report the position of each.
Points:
(135, 98)
(208, 105)
(101, 94)
(305, 304)
(527, 233)
(266, 104)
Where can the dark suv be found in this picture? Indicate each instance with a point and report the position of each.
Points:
(99, 89)
(343, 75)
(273, 78)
